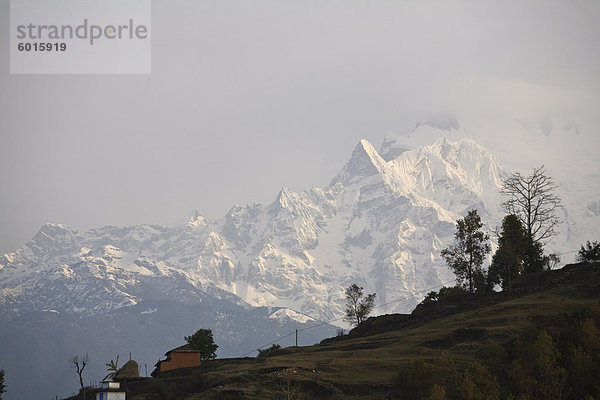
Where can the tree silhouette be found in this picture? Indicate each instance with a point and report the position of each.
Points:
(507, 262)
(264, 353)
(2, 386)
(80, 363)
(357, 307)
(113, 368)
(203, 340)
(470, 247)
(589, 253)
(533, 200)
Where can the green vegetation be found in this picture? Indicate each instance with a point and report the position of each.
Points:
(434, 296)
(357, 307)
(203, 340)
(535, 365)
(466, 256)
(589, 253)
(113, 368)
(531, 221)
(442, 379)
(507, 262)
(540, 340)
(268, 352)
(532, 198)
(2, 386)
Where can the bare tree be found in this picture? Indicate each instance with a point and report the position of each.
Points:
(357, 307)
(79, 363)
(533, 200)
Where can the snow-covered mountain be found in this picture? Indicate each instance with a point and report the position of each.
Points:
(380, 223)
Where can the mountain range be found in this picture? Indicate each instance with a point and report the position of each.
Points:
(261, 271)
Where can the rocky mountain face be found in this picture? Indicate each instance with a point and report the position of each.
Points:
(380, 223)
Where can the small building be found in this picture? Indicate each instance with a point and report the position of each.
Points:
(181, 357)
(110, 391)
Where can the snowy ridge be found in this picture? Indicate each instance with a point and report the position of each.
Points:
(380, 223)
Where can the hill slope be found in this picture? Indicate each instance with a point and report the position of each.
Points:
(372, 361)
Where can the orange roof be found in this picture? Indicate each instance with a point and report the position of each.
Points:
(186, 348)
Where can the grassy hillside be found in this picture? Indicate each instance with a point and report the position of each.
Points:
(464, 346)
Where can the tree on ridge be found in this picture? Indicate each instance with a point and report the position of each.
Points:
(534, 201)
(357, 307)
(466, 256)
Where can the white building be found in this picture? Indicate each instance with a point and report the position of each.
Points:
(110, 391)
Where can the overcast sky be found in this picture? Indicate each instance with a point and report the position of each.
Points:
(248, 96)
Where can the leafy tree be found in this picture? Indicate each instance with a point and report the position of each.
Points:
(551, 261)
(431, 297)
(589, 253)
(357, 307)
(470, 247)
(537, 371)
(533, 200)
(418, 380)
(112, 369)
(79, 363)
(268, 352)
(434, 296)
(437, 393)
(203, 340)
(507, 262)
(441, 379)
(533, 256)
(2, 386)
(476, 383)
(581, 341)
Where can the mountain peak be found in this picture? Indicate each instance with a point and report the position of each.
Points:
(364, 143)
(53, 226)
(463, 149)
(286, 199)
(196, 220)
(283, 195)
(54, 232)
(442, 140)
(424, 134)
(364, 162)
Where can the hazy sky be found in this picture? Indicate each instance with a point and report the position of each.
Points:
(248, 96)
